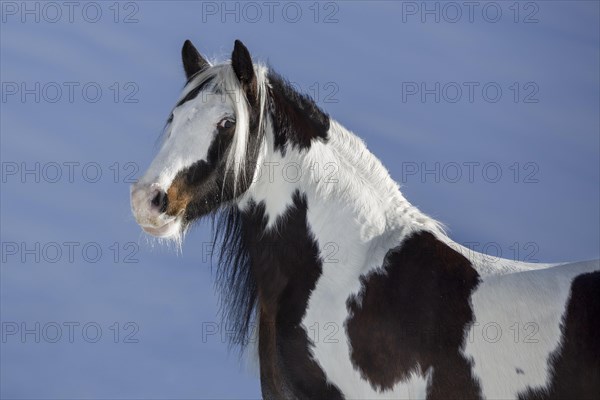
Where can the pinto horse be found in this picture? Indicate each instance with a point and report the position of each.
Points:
(355, 292)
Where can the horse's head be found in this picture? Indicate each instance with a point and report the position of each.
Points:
(211, 145)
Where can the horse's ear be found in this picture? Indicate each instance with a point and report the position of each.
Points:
(192, 60)
(244, 70)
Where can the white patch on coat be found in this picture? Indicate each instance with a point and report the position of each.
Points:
(271, 184)
(191, 133)
(517, 327)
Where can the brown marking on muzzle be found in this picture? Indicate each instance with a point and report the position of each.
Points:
(179, 196)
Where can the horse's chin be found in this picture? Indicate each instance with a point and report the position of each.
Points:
(168, 230)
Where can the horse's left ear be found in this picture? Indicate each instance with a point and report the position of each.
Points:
(244, 70)
(193, 62)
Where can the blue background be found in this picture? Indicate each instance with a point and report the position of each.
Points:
(365, 57)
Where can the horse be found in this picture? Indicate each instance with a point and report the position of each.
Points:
(354, 291)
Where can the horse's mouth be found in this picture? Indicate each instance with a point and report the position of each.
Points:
(171, 228)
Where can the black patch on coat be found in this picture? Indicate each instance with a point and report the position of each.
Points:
(413, 316)
(297, 120)
(285, 266)
(575, 365)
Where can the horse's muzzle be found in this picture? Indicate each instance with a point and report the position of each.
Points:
(149, 205)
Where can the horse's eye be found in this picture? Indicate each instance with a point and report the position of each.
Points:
(225, 124)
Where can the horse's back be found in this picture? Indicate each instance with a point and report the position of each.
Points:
(536, 333)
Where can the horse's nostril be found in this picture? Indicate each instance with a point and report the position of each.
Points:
(160, 201)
